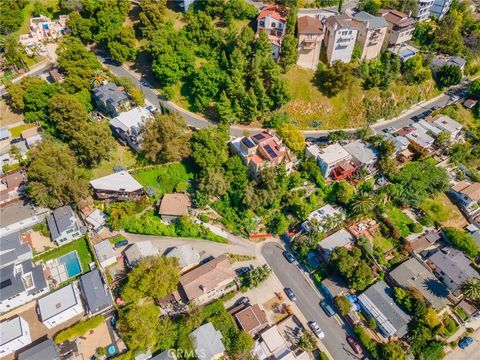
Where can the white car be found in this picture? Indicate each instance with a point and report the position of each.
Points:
(316, 330)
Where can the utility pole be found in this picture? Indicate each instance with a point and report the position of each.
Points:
(340, 5)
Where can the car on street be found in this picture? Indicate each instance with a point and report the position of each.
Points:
(465, 342)
(289, 256)
(436, 107)
(416, 118)
(316, 329)
(389, 130)
(355, 345)
(454, 98)
(327, 308)
(290, 294)
(121, 243)
(242, 301)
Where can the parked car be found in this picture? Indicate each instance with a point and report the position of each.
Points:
(327, 308)
(289, 256)
(121, 243)
(316, 330)
(465, 342)
(355, 345)
(243, 270)
(290, 294)
(242, 301)
(389, 130)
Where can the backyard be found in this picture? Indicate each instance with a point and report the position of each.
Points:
(17, 130)
(384, 244)
(121, 156)
(400, 220)
(443, 211)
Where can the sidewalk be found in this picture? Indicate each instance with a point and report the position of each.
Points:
(39, 66)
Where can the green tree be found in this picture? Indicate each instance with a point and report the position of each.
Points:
(80, 27)
(362, 203)
(362, 277)
(37, 99)
(143, 280)
(392, 351)
(92, 142)
(474, 89)
(278, 224)
(123, 47)
(11, 15)
(343, 304)
(334, 78)
(461, 240)
(370, 6)
(206, 85)
(471, 289)
(16, 92)
(241, 344)
(344, 193)
(449, 75)
(166, 138)
(289, 52)
(209, 147)
(292, 137)
(213, 182)
(307, 341)
(54, 177)
(414, 71)
(336, 136)
(66, 112)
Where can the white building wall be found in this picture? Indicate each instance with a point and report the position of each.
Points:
(64, 316)
(340, 44)
(17, 343)
(20, 299)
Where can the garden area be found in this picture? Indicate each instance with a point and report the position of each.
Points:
(383, 243)
(443, 211)
(121, 156)
(79, 329)
(401, 221)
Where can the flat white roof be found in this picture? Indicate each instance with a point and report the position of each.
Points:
(104, 250)
(57, 302)
(273, 339)
(131, 118)
(447, 124)
(427, 126)
(420, 137)
(96, 218)
(11, 330)
(333, 153)
(120, 181)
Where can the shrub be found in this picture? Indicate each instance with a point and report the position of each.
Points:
(79, 329)
(343, 304)
(461, 240)
(415, 228)
(426, 220)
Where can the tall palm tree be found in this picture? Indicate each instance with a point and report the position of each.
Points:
(471, 289)
(98, 78)
(362, 203)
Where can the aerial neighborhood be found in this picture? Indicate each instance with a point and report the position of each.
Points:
(240, 179)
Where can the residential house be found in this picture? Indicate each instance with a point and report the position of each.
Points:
(111, 99)
(440, 8)
(364, 154)
(470, 103)
(424, 242)
(340, 37)
(333, 160)
(185, 4)
(341, 238)
(207, 342)
(323, 219)
(400, 142)
(334, 286)
(165, 355)
(474, 232)
(423, 10)
(467, 195)
(431, 128)
(139, 251)
(261, 151)
(97, 295)
(96, 219)
(420, 139)
(173, 206)
(404, 51)
(14, 335)
(438, 62)
(41, 351)
(12, 186)
(55, 76)
(20, 281)
(371, 34)
(310, 37)
(452, 267)
(127, 126)
(400, 26)
(448, 125)
(105, 254)
(119, 186)
(64, 225)
(378, 302)
(208, 282)
(273, 20)
(5, 134)
(60, 306)
(364, 228)
(272, 345)
(19, 217)
(42, 31)
(187, 256)
(413, 274)
(31, 136)
(252, 319)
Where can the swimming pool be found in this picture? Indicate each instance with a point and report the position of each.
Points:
(71, 263)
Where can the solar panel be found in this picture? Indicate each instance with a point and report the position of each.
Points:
(258, 136)
(5, 283)
(270, 151)
(248, 143)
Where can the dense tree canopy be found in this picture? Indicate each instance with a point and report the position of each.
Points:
(334, 78)
(449, 75)
(462, 240)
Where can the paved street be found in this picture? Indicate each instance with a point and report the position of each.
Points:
(470, 353)
(308, 300)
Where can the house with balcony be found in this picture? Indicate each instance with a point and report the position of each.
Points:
(310, 37)
(400, 26)
(340, 37)
(20, 280)
(333, 160)
(111, 99)
(419, 138)
(12, 185)
(365, 155)
(273, 20)
(423, 10)
(263, 150)
(127, 127)
(447, 125)
(64, 225)
(323, 219)
(467, 196)
(371, 35)
(120, 186)
(440, 8)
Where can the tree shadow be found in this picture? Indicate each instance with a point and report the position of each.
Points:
(435, 287)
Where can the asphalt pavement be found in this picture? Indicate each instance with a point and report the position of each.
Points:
(308, 300)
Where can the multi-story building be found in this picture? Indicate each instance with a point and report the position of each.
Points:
(400, 26)
(261, 151)
(111, 99)
(440, 8)
(467, 195)
(64, 225)
(310, 37)
(423, 9)
(330, 158)
(119, 186)
(340, 36)
(127, 126)
(371, 35)
(273, 20)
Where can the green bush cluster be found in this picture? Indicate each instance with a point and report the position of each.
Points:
(79, 329)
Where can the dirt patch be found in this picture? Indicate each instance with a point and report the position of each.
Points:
(7, 117)
(98, 337)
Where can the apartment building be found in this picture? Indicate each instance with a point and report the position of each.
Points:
(400, 26)
(423, 10)
(310, 37)
(371, 35)
(340, 37)
(273, 20)
(440, 8)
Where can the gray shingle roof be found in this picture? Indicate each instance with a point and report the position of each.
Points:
(45, 350)
(110, 93)
(59, 221)
(207, 342)
(95, 292)
(166, 355)
(185, 254)
(364, 153)
(11, 248)
(11, 283)
(373, 22)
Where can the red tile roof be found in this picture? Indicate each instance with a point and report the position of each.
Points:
(278, 12)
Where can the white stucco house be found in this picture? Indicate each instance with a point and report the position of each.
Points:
(14, 335)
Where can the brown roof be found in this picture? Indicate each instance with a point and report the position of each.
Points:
(55, 75)
(13, 180)
(309, 25)
(175, 204)
(206, 277)
(278, 12)
(345, 21)
(396, 17)
(29, 132)
(468, 189)
(251, 318)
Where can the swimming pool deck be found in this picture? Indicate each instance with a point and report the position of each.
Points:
(58, 270)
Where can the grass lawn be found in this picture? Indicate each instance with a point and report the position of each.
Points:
(442, 210)
(80, 245)
(18, 129)
(400, 220)
(121, 155)
(346, 109)
(116, 239)
(383, 243)
(176, 17)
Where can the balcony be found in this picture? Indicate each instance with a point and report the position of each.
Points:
(309, 44)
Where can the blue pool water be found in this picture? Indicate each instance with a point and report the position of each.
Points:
(71, 263)
(111, 350)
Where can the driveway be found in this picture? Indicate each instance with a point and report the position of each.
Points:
(471, 352)
(308, 299)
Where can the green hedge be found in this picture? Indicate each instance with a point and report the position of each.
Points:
(79, 329)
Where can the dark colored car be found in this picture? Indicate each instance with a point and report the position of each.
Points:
(242, 301)
(355, 345)
(327, 308)
(289, 256)
(290, 294)
(465, 342)
(121, 243)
